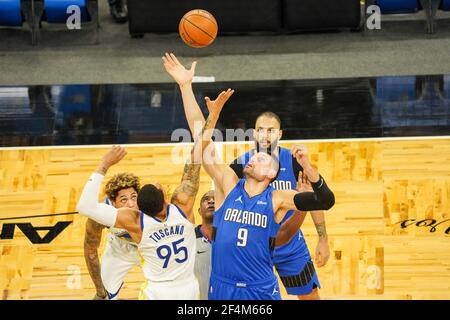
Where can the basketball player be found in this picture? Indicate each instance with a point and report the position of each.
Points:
(120, 253)
(203, 233)
(292, 260)
(249, 210)
(164, 232)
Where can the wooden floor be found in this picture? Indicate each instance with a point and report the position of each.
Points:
(387, 230)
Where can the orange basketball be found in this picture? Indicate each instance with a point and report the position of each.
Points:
(198, 28)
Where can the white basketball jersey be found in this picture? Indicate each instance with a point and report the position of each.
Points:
(122, 234)
(168, 247)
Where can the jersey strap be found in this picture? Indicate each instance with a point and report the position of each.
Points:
(272, 243)
(213, 235)
(181, 211)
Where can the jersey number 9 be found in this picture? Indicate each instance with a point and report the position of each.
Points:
(242, 237)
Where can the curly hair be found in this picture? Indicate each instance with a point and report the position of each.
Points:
(119, 182)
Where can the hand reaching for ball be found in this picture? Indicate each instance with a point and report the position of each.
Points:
(177, 71)
(216, 106)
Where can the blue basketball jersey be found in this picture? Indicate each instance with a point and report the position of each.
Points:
(244, 232)
(286, 180)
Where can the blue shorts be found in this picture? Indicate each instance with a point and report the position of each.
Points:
(298, 275)
(294, 266)
(225, 289)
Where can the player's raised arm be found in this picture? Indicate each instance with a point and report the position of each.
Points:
(102, 213)
(183, 77)
(212, 163)
(224, 177)
(184, 194)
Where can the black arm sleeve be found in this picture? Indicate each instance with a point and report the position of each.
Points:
(321, 199)
(238, 168)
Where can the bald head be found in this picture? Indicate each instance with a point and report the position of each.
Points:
(206, 209)
(261, 167)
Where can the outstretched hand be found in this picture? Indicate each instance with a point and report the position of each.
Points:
(301, 154)
(113, 156)
(216, 106)
(177, 71)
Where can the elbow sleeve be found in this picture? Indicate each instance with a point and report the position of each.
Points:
(321, 199)
(101, 213)
(88, 204)
(323, 193)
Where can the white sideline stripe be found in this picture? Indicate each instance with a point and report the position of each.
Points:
(186, 144)
(200, 79)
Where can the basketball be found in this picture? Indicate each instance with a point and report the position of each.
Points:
(198, 28)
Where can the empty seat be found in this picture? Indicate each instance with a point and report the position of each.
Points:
(398, 6)
(305, 15)
(11, 13)
(56, 10)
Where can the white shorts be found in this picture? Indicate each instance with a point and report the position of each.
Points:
(185, 289)
(118, 258)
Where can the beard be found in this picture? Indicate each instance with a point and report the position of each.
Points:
(269, 150)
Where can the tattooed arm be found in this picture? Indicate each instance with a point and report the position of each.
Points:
(184, 194)
(92, 239)
(322, 248)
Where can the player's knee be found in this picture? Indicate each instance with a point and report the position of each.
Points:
(313, 295)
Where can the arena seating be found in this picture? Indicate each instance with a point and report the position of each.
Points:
(412, 6)
(397, 6)
(15, 13)
(304, 15)
(238, 16)
(55, 12)
(11, 13)
(232, 16)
